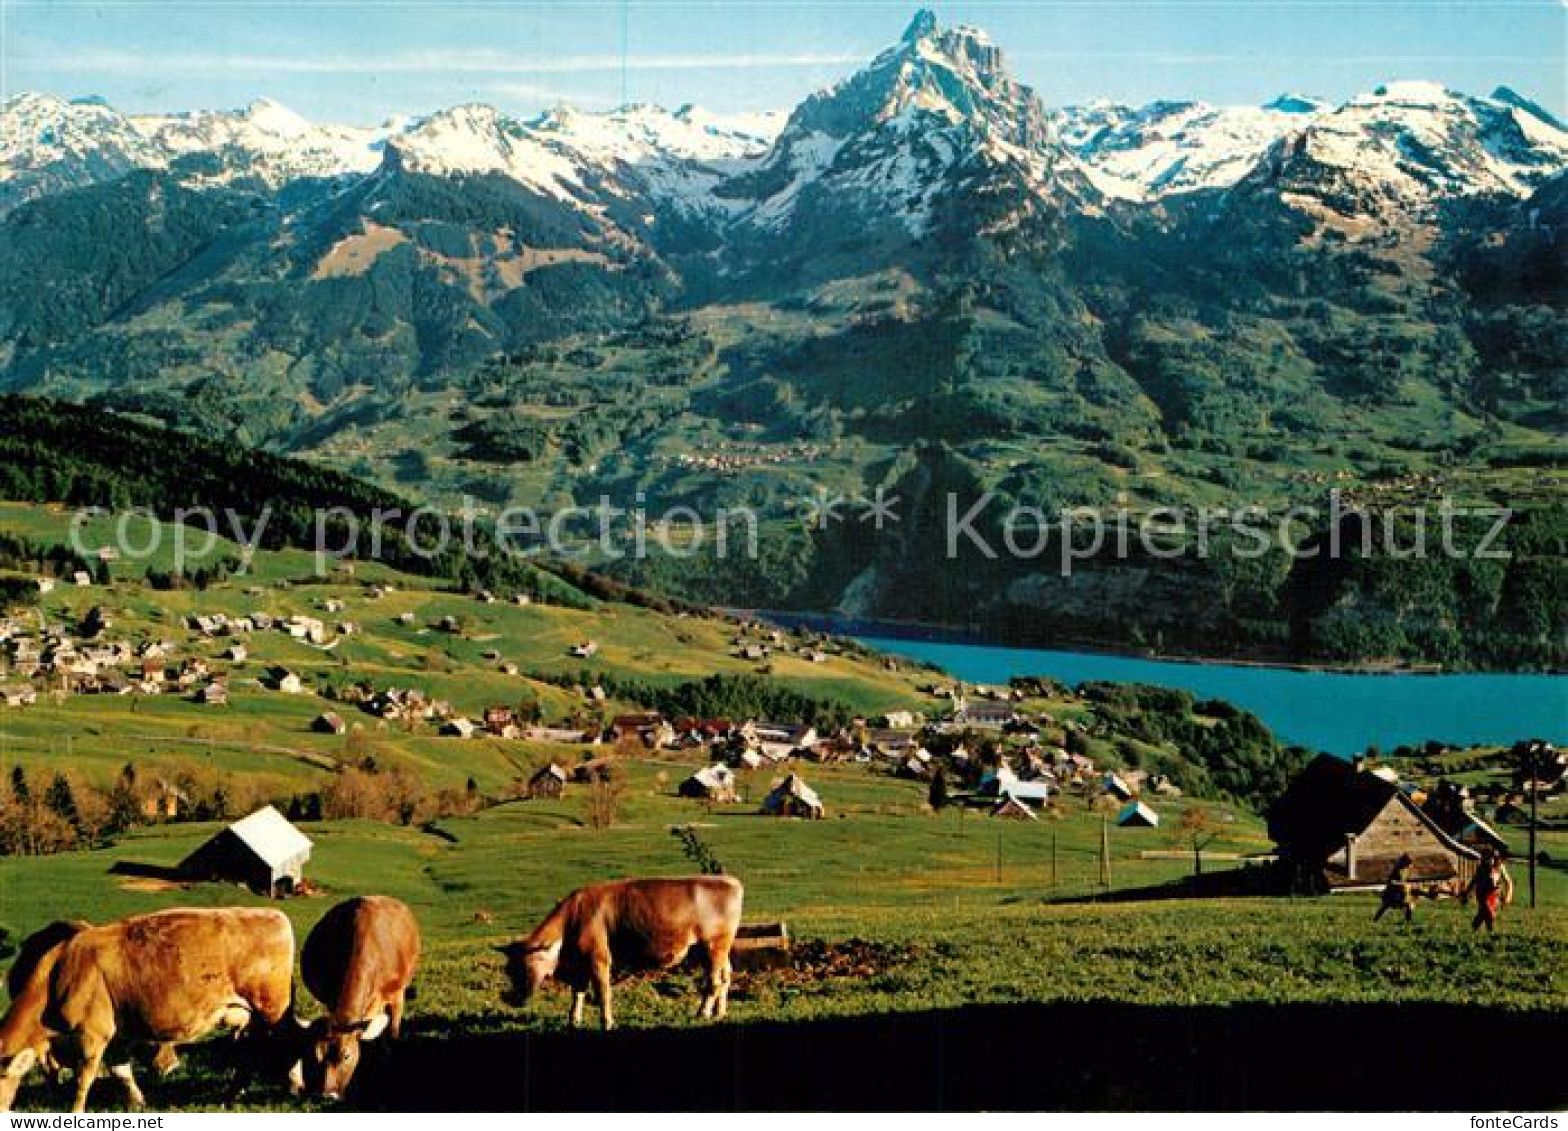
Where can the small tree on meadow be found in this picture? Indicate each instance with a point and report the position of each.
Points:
(1199, 829)
(19, 787)
(61, 799)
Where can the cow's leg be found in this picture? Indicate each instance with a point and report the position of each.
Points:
(92, 1047)
(579, 996)
(601, 988)
(395, 1014)
(726, 974)
(710, 986)
(721, 971)
(127, 1078)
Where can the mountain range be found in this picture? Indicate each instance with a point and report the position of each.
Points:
(921, 278)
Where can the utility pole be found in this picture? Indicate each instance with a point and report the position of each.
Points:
(1533, 757)
(1053, 860)
(1105, 852)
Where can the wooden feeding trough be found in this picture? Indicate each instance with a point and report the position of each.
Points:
(760, 946)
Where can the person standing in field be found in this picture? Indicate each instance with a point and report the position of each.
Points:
(1492, 887)
(1397, 895)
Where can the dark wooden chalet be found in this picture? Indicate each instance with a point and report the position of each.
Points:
(1343, 826)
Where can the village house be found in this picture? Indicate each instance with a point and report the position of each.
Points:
(1011, 809)
(287, 682)
(692, 733)
(1032, 792)
(18, 695)
(329, 722)
(713, 783)
(547, 783)
(1342, 826)
(263, 851)
(166, 802)
(1117, 786)
(986, 716)
(889, 742)
(1539, 767)
(308, 629)
(997, 780)
(1448, 804)
(214, 694)
(792, 797)
(777, 741)
(459, 728)
(236, 653)
(1138, 815)
(587, 650)
(502, 722)
(652, 729)
(554, 734)
(837, 748)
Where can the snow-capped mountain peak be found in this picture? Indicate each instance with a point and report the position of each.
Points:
(1142, 153)
(265, 141)
(276, 119)
(937, 107)
(50, 145)
(1407, 145)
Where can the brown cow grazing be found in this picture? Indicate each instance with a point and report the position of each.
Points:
(648, 924)
(358, 962)
(24, 1040)
(170, 977)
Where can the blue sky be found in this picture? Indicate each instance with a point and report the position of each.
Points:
(363, 61)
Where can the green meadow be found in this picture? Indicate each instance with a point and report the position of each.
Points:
(894, 908)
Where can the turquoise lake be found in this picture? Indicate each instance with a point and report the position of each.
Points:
(1331, 711)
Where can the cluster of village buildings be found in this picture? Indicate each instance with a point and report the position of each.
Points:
(88, 660)
(728, 460)
(1344, 822)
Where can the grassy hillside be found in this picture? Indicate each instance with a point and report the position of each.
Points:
(896, 909)
(953, 910)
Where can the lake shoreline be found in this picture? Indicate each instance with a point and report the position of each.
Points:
(934, 633)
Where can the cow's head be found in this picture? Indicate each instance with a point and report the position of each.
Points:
(332, 1053)
(528, 966)
(14, 1068)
